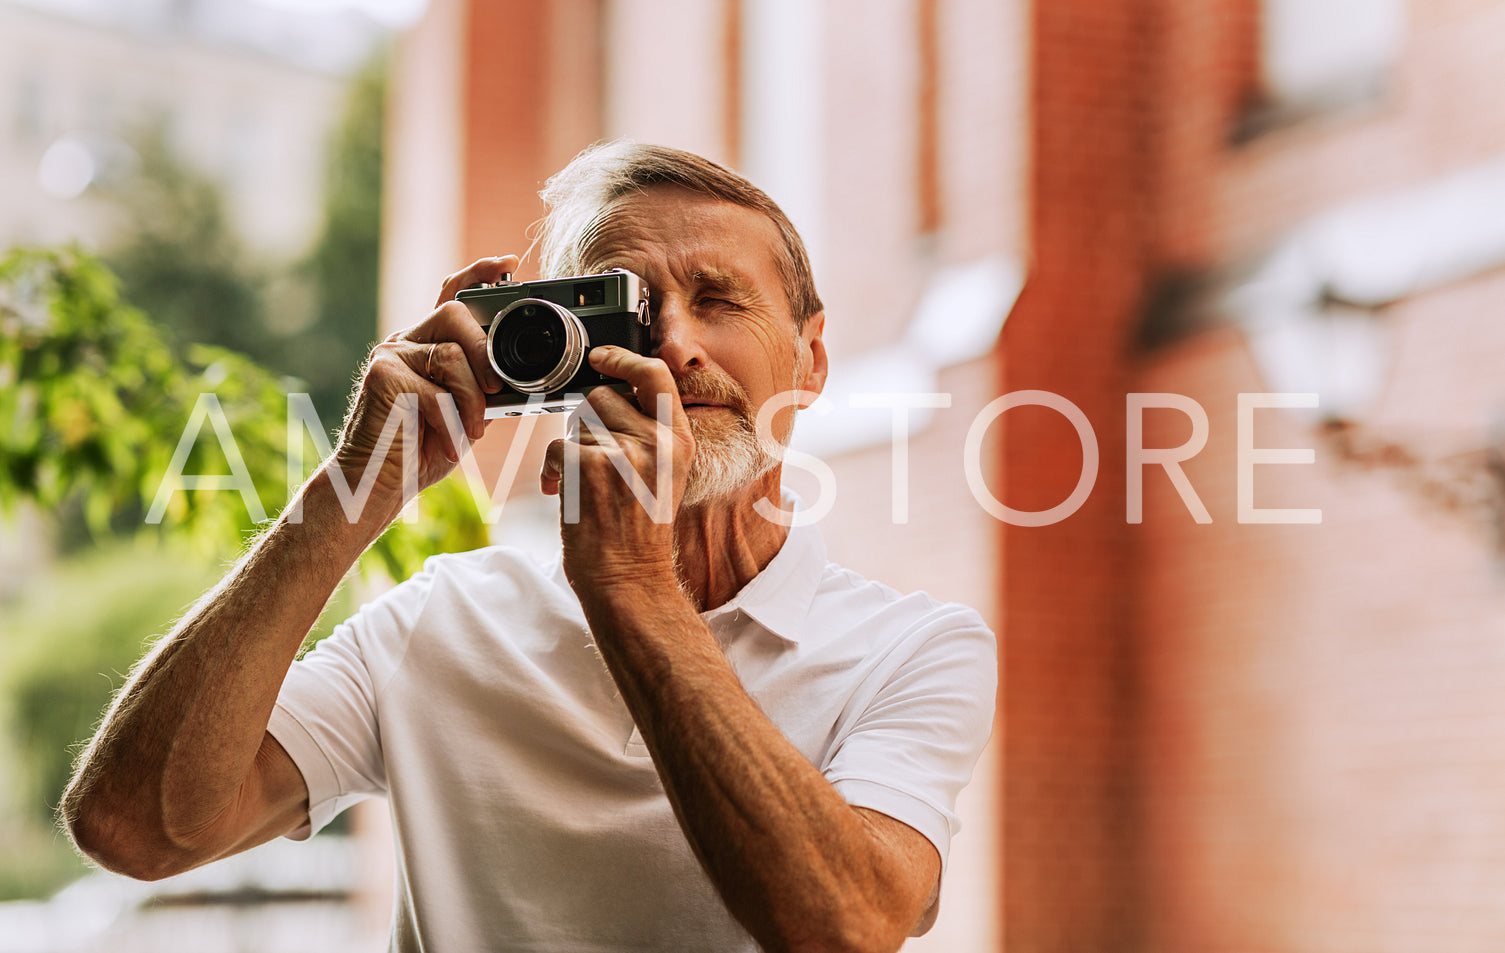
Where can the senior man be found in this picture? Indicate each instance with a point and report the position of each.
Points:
(694, 734)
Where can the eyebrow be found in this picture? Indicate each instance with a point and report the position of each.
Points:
(726, 282)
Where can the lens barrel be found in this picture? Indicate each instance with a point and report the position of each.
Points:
(535, 345)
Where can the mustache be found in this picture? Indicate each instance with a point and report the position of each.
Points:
(712, 388)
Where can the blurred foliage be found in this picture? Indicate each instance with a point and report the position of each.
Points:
(182, 261)
(93, 401)
(344, 266)
(99, 378)
(37, 864)
(58, 670)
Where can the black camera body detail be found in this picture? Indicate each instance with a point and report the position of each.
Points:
(538, 334)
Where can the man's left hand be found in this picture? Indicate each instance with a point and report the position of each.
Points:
(622, 536)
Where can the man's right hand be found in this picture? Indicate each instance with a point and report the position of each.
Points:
(444, 354)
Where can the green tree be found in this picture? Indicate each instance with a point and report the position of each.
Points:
(179, 257)
(93, 401)
(343, 269)
(98, 377)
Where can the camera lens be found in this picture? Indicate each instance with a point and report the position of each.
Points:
(532, 344)
(536, 346)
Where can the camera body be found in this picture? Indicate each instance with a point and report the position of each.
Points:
(539, 333)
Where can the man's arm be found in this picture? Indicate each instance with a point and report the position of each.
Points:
(182, 770)
(797, 865)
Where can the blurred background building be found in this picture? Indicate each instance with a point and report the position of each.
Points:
(243, 92)
(1226, 722)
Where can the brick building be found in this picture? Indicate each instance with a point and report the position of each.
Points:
(1215, 733)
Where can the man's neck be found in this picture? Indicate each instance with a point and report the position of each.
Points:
(722, 544)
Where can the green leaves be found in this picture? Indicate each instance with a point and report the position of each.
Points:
(83, 382)
(94, 401)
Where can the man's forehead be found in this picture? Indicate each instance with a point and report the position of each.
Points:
(701, 241)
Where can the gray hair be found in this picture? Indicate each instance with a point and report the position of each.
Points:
(580, 194)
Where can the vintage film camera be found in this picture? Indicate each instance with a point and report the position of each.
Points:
(539, 333)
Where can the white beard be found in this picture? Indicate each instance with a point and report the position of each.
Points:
(727, 457)
(728, 453)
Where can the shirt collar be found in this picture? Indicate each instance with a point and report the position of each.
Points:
(779, 597)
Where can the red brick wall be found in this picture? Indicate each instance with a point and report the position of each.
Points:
(1320, 703)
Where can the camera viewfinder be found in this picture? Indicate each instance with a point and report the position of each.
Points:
(589, 294)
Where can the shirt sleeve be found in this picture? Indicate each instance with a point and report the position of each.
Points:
(911, 748)
(326, 715)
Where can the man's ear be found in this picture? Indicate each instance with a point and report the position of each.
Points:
(814, 355)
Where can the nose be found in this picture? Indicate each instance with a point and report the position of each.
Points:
(677, 337)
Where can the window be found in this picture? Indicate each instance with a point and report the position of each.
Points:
(1317, 53)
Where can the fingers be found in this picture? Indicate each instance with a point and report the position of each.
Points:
(454, 322)
(605, 419)
(434, 370)
(451, 321)
(649, 377)
(552, 473)
(446, 365)
(439, 368)
(395, 376)
(608, 426)
(448, 349)
(488, 270)
(614, 412)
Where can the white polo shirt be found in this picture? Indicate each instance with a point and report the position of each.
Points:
(527, 813)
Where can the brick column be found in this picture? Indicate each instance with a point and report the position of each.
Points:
(529, 92)
(1068, 787)
(532, 99)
